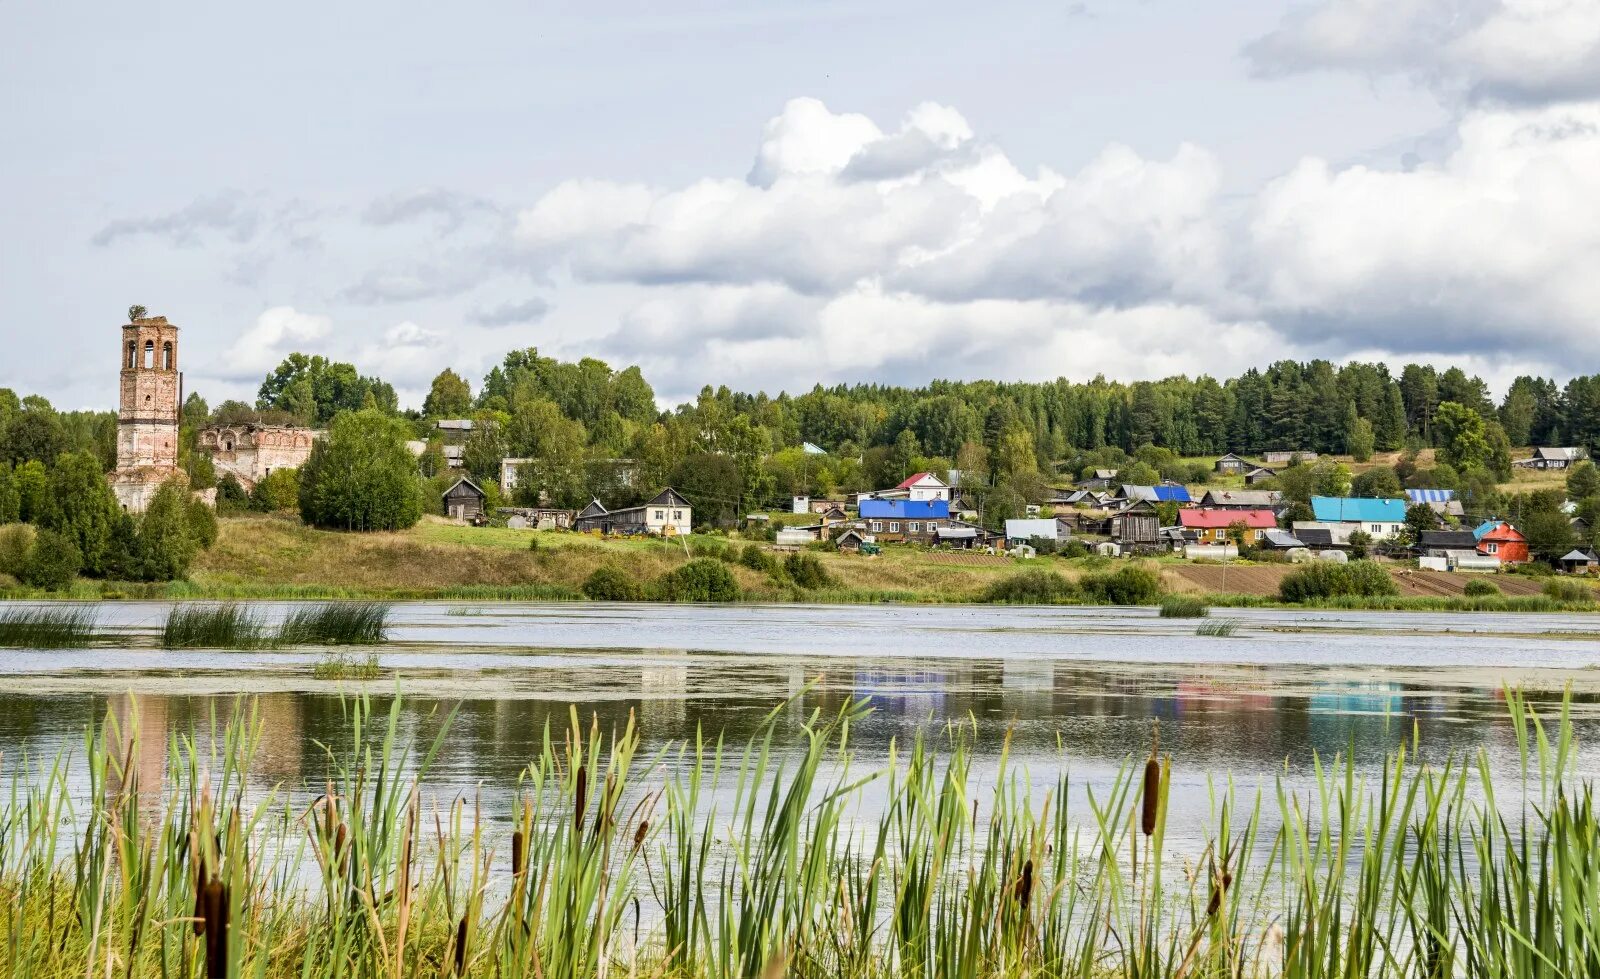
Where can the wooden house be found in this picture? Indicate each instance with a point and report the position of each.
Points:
(666, 514)
(1231, 465)
(464, 500)
(1260, 474)
(912, 521)
(1212, 526)
(1549, 458)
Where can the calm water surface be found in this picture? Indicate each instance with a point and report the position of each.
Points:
(1077, 688)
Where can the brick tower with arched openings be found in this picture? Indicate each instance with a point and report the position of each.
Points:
(147, 414)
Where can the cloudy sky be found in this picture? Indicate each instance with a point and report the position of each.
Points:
(771, 194)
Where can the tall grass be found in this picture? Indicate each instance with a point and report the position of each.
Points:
(47, 627)
(1218, 627)
(225, 626)
(711, 861)
(1184, 607)
(335, 623)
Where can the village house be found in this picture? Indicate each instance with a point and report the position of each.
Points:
(1100, 479)
(1231, 465)
(667, 514)
(919, 488)
(1259, 475)
(1027, 531)
(961, 535)
(1243, 500)
(1378, 517)
(912, 521)
(1503, 542)
(1213, 526)
(1137, 530)
(464, 500)
(453, 434)
(1548, 458)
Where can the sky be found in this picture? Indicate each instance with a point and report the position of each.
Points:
(772, 195)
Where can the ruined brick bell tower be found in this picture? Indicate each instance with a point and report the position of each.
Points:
(147, 417)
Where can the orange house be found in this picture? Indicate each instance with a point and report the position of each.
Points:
(1211, 526)
(1499, 539)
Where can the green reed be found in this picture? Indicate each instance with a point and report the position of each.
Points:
(335, 623)
(1184, 607)
(222, 626)
(47, 626)
(711, 861)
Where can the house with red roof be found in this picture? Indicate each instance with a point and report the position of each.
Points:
(1210, 525)
(919, 488)
(1501, 541)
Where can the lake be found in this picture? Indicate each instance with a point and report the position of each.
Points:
(1076, 687)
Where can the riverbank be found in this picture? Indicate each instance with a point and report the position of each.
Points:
(278, 558)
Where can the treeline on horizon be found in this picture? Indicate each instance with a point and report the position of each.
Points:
(730, 450)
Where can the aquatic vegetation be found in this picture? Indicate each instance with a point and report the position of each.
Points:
(1218, 627)
(707, 861)
(335, 623)
(47, 626)
(341, 665)
(225, 626)
(1184, 607)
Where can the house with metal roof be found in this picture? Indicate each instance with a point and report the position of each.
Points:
(1022, 531)
(1260, 474)
(1232, 499)
(1213, 526)
(1378, 517)
(916, 521)
(1440, 501)
(1232, 464)
(1549, 458)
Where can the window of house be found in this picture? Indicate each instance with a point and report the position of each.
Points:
(661, 514)
(915, 527)
(1494, 548)
(877, 526)
(894, 526)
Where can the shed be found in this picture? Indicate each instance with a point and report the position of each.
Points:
(1281, 540)
(850, 541)
(464, 500)
(1579, 562)
(1231, 464)
(1260, 474)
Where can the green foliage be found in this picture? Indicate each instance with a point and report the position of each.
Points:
(700, 580)
(1419, 519)
(1479, 587)
(16, 546)
(1379, 482)
(231, 496)
(1184, 607)
(10, 495)
(224, 626)
(609, 583)
(1131, 584)
(1360, 439)
(314, 389)
(806, 571)
(1325, 579)
(1549, 533)
(449, 396)
(166, 541)
(1360, 543)
(277, 491)
(53, 563)
(1583, 481)
(1567, 590)
(1030, 587)
(757, 558)
(714, 484)
(79, 505)
(202, 522)
(361, 476)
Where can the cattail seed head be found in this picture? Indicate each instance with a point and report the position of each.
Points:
(461, 946)
(1152, 796)
(640, 833)
(216, 913)
(516, 851)
(199, 893)
(1024, 889)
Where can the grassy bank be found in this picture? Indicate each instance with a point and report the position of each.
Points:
(708, 863)
(277, 558)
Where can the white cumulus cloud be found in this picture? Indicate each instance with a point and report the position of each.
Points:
(276, 333)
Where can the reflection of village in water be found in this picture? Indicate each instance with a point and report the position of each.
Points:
(1250, 726)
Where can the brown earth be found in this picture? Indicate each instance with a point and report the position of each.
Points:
(1264, 580)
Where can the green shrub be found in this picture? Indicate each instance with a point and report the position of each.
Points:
(701, 580)
(1129, 585)
(16, 544)
(1329, 580)
(708, 547)
(361, 476)
(54, 562)
(806, 571)
(231, 496)
(1184, 607)
(1565, 590)
(165, 542)
(609, 583)
(1074, 548)
(1478, 587)
(1031, 587)
(202, 522)
(757, 558)
(277, 491)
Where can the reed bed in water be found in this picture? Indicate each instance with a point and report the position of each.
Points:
(47, 626)
(224, 626)
(706, 862)
(337, 623)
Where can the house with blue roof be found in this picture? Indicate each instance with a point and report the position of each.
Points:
(1378, 517)
(915, 521)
